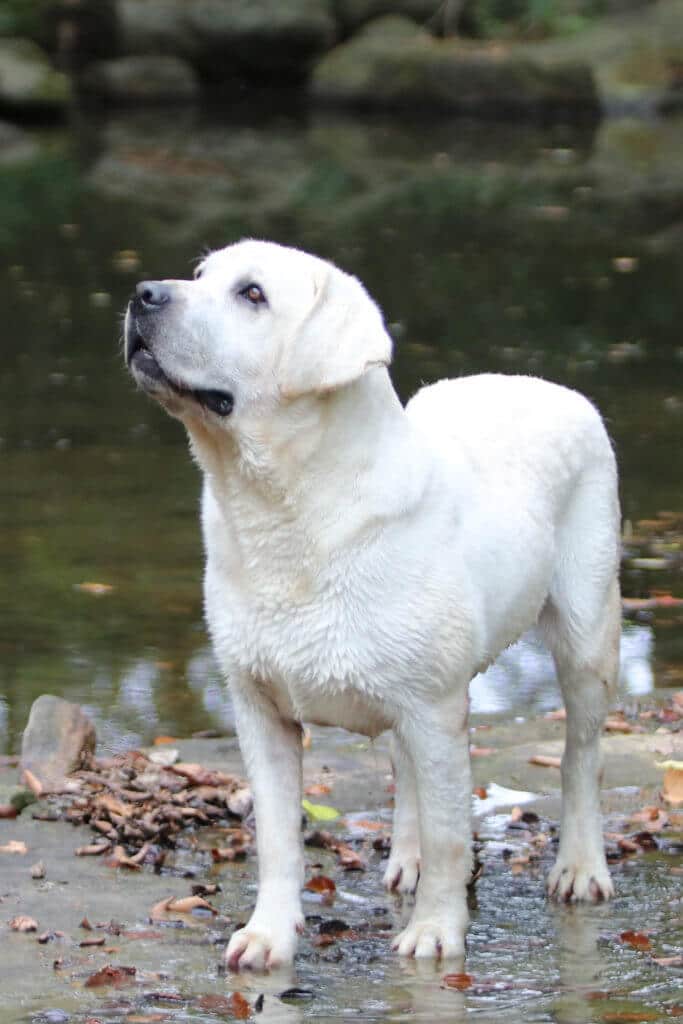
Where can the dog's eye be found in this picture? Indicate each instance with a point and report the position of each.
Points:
(252, 293)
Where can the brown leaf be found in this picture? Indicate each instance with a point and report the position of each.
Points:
(618, 725)
(669, 961)
(181, 905)
(235, 1005)
(23, 923)
(159, 741)
(348, 858)
(93, 940)
(320, 883)
(457, 981)
(8, 811)
(654, 817)
(120, 859)
(318, 789)
(197, 775)
(92, 850)
(672, 788)
(14, 846)
(480, 791)
(220, 854)
(481, 751)
(109, 975)
(636, 939)
(546, 761)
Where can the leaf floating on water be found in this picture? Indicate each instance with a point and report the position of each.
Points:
(457, 981)
(636, 939)
(93, 940)
(348, 858)
(546, 761)
(23, 923)
(320, 812)
(222, 854)
(96, 589)
(8, 811)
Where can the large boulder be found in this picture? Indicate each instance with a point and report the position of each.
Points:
(151, 79)
(58, 739)
(29, 85)
(394, 64)
(354, 13)
(273, 39)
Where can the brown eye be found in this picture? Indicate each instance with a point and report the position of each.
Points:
(253, 294)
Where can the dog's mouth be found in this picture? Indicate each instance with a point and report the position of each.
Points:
(149, 374)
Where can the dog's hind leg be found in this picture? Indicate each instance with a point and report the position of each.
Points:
(403, 869)
(581, 622)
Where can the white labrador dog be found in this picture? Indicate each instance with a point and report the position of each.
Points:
(365, 561)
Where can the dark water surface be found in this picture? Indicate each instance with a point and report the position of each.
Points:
(489, 248)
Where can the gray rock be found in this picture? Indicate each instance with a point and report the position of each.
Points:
(278, 40)
(354, 13)
(151, 79)
(58, 739)
(392, 64)
(29, 85)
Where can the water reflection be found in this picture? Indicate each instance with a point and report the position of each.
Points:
(517, 249)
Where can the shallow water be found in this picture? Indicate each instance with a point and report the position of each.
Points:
(488, 247)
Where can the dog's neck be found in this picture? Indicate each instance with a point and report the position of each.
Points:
(330, 465)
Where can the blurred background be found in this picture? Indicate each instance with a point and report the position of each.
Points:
(506, 176)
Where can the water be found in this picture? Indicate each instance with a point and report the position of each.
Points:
(489, 247)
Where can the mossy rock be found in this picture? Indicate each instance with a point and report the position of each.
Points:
(272, 39)
(393, 64)
(151, 79)
(29, 85)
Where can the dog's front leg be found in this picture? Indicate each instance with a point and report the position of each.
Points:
(437, 740)
(271, 748)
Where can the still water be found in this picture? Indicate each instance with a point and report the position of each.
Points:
(489, 247)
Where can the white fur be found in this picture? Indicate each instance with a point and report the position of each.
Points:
(365, 561)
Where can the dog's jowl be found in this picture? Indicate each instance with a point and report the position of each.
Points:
(365, 560)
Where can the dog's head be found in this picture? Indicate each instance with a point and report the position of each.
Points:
(259, 325)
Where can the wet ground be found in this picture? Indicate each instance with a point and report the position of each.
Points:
(527, 958)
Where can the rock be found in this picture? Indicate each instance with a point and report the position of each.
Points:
(16, 145)
(148, 79)
(354, 13)
(223, 40)
(29, 85)
(393, 64)
(58, 739)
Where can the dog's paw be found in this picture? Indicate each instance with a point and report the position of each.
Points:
(258, 947)
(432, 938)
(403, 871)
(577, 879)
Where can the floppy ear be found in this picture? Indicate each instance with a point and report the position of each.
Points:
(341, 337)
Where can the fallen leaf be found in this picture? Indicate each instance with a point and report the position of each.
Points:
(654, 817)
(546, 761)
(348, 858)
(97, 589)
(8, 811)
(23, 923)
(197, 775)
(109, 975)
(320, 883)
(93, 940)
(179, 905)
(669, 961)
(320, 812)
(234, 1005)
(14, 846)
(457, 981)
(160, 740)
(92, 850)
(618, 725)
(481, 751)
(636, 939)
(619, 1016)
(480, 791)
(672, 786)
(220, 854)
(318, 789)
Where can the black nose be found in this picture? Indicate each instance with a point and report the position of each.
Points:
(153, 294)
